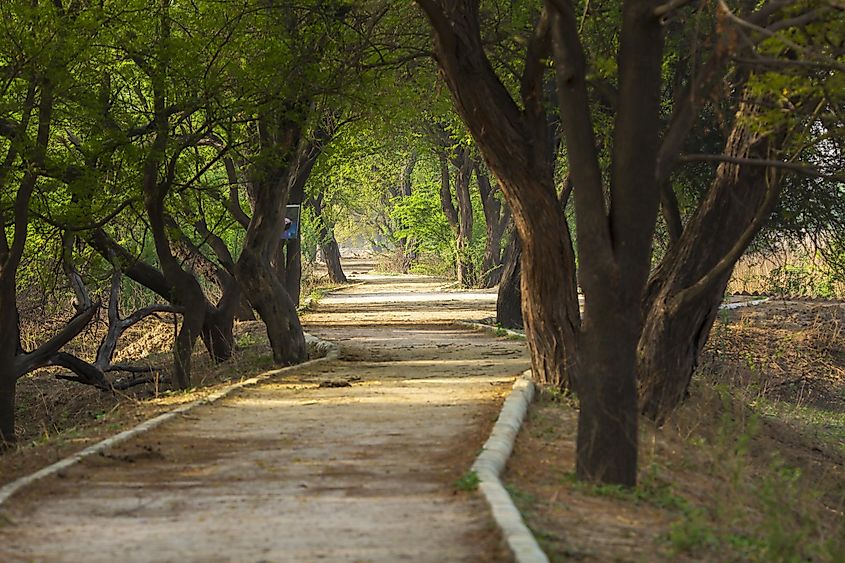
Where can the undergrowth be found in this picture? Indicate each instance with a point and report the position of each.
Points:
(750, 468)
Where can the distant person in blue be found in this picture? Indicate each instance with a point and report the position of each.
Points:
(290, 229)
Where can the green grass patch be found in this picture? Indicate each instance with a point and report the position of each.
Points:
(468, 482)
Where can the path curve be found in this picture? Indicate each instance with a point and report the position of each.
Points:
(291, 471)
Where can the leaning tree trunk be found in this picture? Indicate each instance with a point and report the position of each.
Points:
(509, 300)
(548, 289)
(516, 147)
(331, 254)
(328, 243)
(273, 303)
(466, 269)
(187, 294)
(684, 293)
(260, 281)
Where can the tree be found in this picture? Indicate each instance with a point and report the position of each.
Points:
(328, 243)
(630, 325)
(35, 64)
(460, 218)
(497, 218)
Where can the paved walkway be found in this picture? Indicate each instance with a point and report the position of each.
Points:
(291, 471)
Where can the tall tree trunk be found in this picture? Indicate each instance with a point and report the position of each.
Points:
(460, 217)
(509, 300)
(331, 254)
(184, 287)
(548, 289)
(466, 269)
(407, 244)
(272, 302)
(12, 254)
(9, 347)
(496, 219)
(606, 445)
(269, 186)
(516, 147)
(684, 293)
(328, 244)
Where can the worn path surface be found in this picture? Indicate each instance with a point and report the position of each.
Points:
(290, 471)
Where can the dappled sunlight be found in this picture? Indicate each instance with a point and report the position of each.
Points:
(382, 397)
(428, 297)
(500, 363)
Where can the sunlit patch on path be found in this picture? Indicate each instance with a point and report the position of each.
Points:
(299, 470)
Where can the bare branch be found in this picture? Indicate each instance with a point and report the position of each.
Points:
(46, 352)
(85, 373)
(728, 260)
(805, 169)
(531, 86)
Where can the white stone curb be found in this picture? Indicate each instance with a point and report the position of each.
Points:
(494, 330)
(494, 456)
(739, 304)
(329, 350)
(490, 464)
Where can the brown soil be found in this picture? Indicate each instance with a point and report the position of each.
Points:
(750, 468)
(56, 418)
(292, 470)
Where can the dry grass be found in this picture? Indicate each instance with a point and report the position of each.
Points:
(788, 272)
(55, 417)
(750, 468)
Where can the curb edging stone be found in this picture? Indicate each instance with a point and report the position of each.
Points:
(496, 451)
(490, 464)
(494, 456)
(329, 350)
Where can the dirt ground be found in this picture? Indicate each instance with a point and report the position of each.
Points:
(352, 460)
(751, 468)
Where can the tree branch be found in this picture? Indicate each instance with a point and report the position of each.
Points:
(693, 291)
(804, 169)
(531, 84)
(44, 354)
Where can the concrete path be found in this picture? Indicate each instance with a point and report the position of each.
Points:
(292, 471)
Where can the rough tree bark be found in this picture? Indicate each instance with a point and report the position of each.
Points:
(516, 147)
(328, 244)
(614, 244)
(509, 299)
(269, 184)
(686, 289)
(496, 219)
(466, 270)
(459, 217)
(407, 244)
